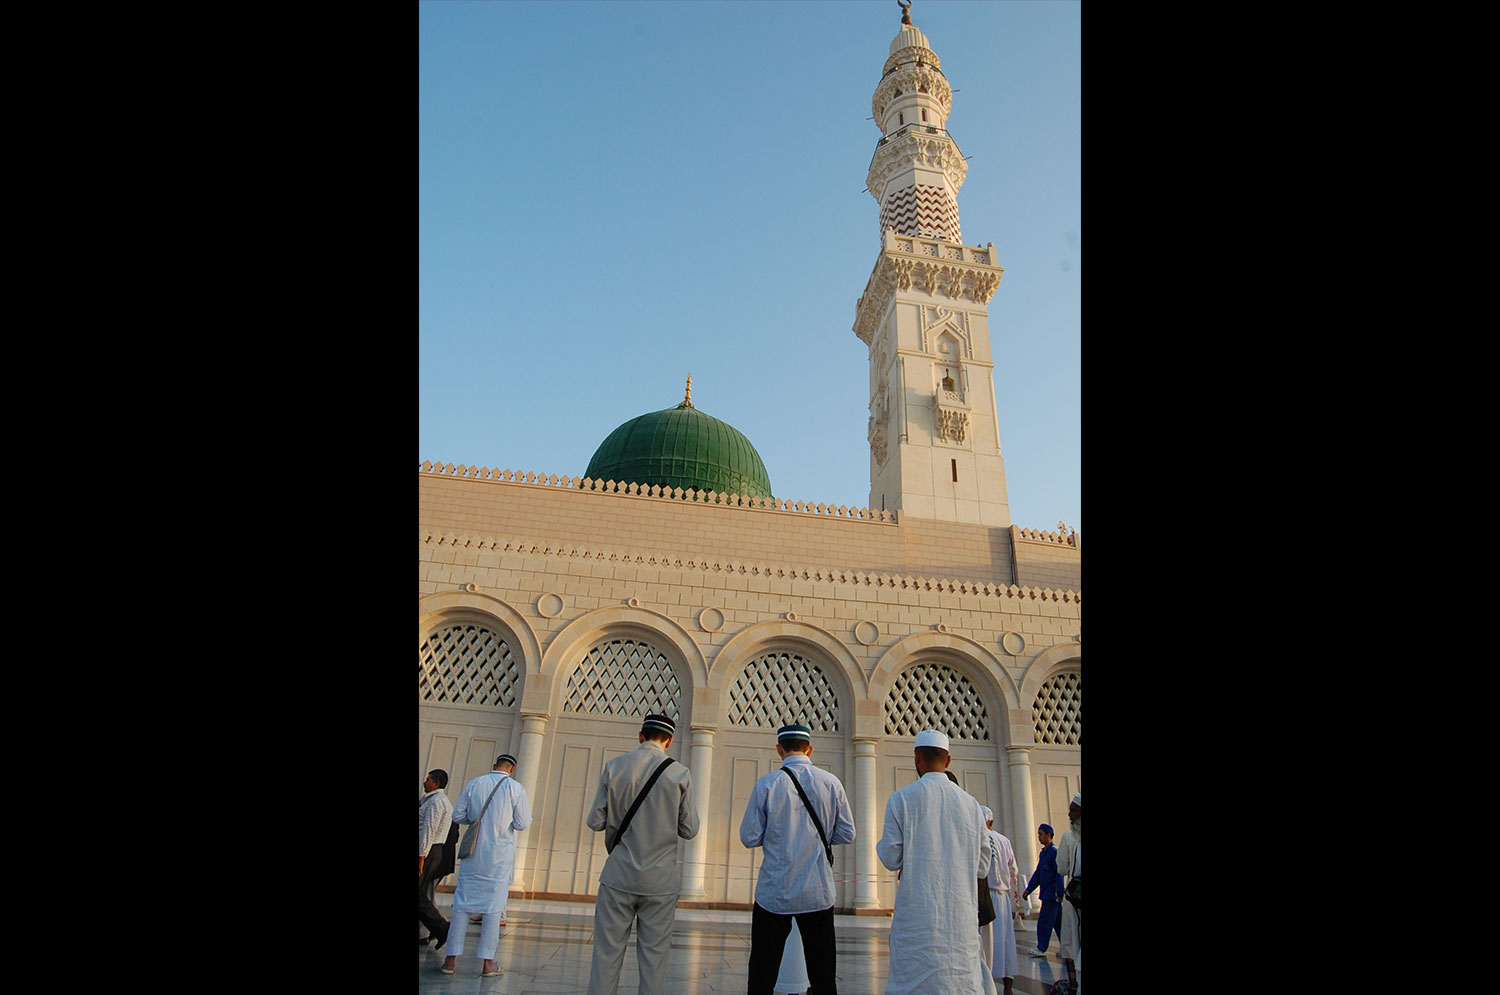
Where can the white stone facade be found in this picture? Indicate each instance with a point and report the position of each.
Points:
(736, 619)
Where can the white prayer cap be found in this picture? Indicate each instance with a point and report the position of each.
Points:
(1078, 798)
(931, 737)
(988, 815)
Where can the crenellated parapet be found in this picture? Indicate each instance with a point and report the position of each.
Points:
(930, 265)
(1064, 537)
(656, 491)
(711, 565)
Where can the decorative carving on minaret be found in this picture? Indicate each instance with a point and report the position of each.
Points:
(952, 424)
(915, 148)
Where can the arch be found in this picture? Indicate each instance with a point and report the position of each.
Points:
(1045, 664)
(964, 655)
(776, 634)
(578, 636)
(476, 606)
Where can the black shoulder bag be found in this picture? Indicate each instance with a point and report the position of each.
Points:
(625, 822)
(818, 825)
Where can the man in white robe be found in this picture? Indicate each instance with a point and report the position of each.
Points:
(1069, 866)
(1005, 888)
(934, 835)
(498, 803)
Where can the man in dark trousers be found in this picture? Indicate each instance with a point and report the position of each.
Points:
(1048, 884)
(434, 819)
(796, 876)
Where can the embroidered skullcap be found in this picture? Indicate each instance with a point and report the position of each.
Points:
(659, 723)
(505, 758)
(933, 738)
(795, 731)
(1046, 829)
(1078, 798)
(988, 815)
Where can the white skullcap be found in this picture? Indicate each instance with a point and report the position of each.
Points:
(988, 815)
(1078, 798)
(931, 737)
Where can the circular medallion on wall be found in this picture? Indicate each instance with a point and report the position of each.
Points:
(941, 627)
(710, 620)
(633, 602)
(1012, 643)
(790, 616)
(471, 587)
(549, 605)
(866, 632)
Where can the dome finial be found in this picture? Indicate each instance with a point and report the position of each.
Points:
(687, 400)
(905, 6)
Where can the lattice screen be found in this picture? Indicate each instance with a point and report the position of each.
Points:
(623, 677)
(1057, 712)
(780, 688)
(468, 665)
(932, 696)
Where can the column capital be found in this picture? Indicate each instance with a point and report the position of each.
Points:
(865, 746)
(1019, 754)
(534, 721)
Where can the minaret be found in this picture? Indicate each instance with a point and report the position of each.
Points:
(934, 437)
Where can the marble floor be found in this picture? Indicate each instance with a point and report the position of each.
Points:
(545, 949)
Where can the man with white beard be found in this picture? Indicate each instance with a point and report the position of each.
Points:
(934, 835)
(1005, 884)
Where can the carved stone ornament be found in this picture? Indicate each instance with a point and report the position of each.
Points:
(915, 148)
(952, 425)
(912, 79)
(876, 436)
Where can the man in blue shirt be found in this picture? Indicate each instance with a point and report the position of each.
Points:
(1050, 883)
(796, 874)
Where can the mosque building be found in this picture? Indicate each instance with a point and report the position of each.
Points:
(555, 611)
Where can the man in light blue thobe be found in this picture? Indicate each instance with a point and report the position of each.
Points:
(498, 803)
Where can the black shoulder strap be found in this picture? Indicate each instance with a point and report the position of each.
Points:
(817, 823)
(625, 822)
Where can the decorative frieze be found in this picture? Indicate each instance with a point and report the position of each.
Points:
(904, 582)
(935, 267)
(915, 147)
(912, 79)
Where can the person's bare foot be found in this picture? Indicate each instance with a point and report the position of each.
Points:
(448, 964)
(490, 970)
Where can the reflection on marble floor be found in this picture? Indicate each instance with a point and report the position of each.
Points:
(545, 948)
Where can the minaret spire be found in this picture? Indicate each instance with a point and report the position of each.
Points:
(687, 400)
(933, 432)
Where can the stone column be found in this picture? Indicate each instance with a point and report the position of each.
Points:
(1022, 832)
(867, 826)
(701, 764)
(528, 769)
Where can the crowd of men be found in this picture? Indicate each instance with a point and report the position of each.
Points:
(951, 864)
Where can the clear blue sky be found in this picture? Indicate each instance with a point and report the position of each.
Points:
(615, 194)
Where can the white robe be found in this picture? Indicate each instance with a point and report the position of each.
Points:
(1005, 885)
(935, 835)
(484, 877)
(793, 977)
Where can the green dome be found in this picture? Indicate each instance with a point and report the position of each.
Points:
(681, 447)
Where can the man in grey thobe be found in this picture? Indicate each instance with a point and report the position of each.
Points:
(640, 880)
